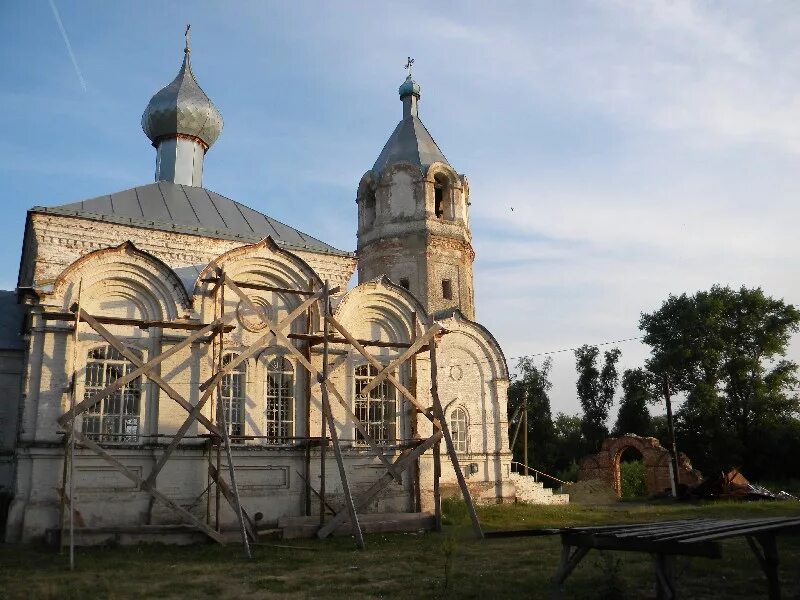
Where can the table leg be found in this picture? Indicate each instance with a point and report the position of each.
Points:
(768, 560)
(665, 576)
(569, 560)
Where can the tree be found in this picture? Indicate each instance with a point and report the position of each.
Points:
(595, 389)
(633, 415)
(531, 389)
(568, 446)
(724, 350)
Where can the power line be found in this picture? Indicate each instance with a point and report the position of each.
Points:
(638, 337)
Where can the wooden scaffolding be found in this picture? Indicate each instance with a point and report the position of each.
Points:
(218, 434)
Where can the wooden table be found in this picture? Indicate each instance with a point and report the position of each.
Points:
(665, 540)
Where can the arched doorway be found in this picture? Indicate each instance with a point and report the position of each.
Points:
(630, 475)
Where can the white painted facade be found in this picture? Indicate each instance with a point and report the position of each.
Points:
(127, 281)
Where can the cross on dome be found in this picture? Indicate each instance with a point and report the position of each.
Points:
(409, 64)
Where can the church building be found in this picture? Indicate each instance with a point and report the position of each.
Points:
(144, 259)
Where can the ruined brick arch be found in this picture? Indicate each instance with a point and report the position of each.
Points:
(605, 464)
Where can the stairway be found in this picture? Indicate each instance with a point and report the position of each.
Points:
(531, 491)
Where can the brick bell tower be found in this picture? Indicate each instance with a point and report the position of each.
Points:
(413, 217)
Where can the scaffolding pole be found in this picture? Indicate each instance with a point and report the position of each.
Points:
(226, 433)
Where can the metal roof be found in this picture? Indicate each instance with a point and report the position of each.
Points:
(410, 142)
(11, 315)
(166, 206)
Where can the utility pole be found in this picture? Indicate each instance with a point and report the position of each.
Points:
(671, 429)
(525, 433)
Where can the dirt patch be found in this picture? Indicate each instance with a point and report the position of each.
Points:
(592, 491)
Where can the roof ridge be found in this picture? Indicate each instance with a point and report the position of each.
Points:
(427, 131)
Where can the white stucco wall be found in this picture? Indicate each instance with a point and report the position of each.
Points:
(128, 281)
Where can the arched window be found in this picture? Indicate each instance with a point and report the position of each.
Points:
(116, 417)
(369, 207)
(378, 410)
(279, 401)
(458, 429)
(233, 397)
(441, 197)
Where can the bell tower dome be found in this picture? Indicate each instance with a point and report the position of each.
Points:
(413, 217)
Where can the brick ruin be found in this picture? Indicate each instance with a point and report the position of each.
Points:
(605, 464)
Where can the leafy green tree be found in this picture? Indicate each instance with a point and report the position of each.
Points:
(724, 350)
(595, 387)
(569, 446)
(633, 415)
(532, 387)
(660, 430)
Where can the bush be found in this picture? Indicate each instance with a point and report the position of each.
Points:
(632, 479)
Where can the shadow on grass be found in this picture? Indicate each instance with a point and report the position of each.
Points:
(448, 565)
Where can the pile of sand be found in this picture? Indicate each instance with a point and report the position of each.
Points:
(593, 491)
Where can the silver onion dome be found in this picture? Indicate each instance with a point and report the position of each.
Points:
(182, 107)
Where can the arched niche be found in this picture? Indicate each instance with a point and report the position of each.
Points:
(444, 193)
(473, 369)
(380, 309)
(400, 192)
(476, 340)
(123, 282)
(264, 263)
(366, 199)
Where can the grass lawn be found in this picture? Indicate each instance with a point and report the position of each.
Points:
(447, 565)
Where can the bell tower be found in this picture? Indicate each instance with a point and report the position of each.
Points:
(413, 217)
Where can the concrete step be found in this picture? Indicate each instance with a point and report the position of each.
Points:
(530, 491)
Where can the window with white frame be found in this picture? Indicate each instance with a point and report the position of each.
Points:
(115, 418)
(458, 429)
(279, 401)
(233, 389)
(378, 409)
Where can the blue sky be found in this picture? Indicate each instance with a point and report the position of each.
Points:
(646, 147)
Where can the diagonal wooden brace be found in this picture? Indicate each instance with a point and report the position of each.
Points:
(157, 360)
(145, 487)
(405, 460)
(131, 356)
(348, 498)
(280, 337)
(438, 411)
(392, 379)
(227, 492)
(212, 383)
(411, 351)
